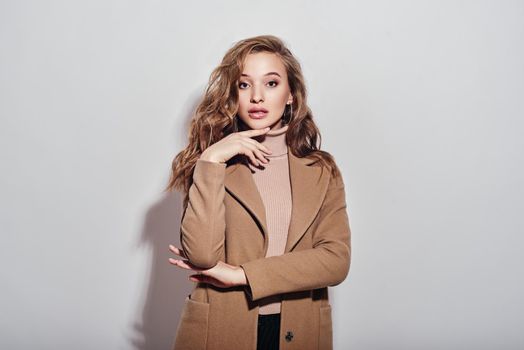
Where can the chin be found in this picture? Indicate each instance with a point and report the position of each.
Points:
(260, 123)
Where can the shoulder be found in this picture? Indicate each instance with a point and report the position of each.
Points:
(329, 163)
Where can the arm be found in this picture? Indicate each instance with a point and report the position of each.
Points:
(326, 264)
(202, 229)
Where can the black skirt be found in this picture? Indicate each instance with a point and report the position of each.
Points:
(268, 332)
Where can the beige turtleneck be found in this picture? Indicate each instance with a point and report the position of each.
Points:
(273, 183)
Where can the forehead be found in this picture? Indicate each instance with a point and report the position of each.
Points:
(259, 63)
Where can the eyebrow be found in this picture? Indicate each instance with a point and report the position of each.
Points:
(270, 73)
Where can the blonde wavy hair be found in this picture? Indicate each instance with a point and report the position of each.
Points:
(216, 114)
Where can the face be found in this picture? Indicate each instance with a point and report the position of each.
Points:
(263, 85)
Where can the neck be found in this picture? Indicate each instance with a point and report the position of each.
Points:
(275, 140)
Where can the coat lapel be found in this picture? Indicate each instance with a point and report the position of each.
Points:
(308, 188)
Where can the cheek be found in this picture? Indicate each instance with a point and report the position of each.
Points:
(243, 100)
(280, 96)
(279, 102)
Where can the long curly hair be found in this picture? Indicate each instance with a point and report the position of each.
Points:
(216, 114)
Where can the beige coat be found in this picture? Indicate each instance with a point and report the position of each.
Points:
(225, 220)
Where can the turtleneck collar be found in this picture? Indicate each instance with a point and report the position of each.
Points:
(275, 140)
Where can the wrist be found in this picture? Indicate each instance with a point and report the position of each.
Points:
(242, 279)
(206, 157)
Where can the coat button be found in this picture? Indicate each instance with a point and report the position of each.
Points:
(289, 336)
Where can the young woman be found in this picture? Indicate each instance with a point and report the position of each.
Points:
(265, 227)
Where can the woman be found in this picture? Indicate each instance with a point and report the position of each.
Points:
(264, 225)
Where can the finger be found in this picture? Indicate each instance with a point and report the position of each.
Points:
(177, 251)
(207, 279)
(256, 152)
(194, 279)
(254, 132)
(247, 150)
(176, 262)
(258, 144)
(184, 264)
(198, 278)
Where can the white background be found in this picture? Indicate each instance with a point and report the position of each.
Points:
(420, 102)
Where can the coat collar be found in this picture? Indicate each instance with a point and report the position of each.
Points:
(308, 188)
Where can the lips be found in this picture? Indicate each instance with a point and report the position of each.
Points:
(257, 109)
(257, 113)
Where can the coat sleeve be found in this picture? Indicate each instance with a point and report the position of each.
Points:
(202, 228)
(326, 264)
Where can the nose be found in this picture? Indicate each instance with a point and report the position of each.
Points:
(256, 95)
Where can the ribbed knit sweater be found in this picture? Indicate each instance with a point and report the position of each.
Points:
(273, 183)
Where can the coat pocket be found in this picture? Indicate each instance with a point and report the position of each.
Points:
(325, 339)
(191, 332)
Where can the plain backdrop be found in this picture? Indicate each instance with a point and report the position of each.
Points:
(420, 102)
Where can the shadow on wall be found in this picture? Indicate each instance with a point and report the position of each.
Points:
(168, 285)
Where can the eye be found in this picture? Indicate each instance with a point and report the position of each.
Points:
(273, 81)
(240, 84)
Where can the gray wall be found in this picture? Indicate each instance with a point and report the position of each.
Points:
(419, 101)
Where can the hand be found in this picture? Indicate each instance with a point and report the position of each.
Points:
(238, 143)
(221, 275)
